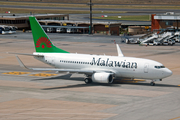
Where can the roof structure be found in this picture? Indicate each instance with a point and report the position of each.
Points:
(167, 16)
(79, 22)
(25, 16)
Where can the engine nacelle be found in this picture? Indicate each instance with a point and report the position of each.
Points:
(102, 77)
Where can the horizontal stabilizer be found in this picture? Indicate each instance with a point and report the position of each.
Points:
(26, 54)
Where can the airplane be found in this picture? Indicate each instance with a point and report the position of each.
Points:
(97, 68)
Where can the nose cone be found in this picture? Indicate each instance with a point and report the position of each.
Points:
(167, 72)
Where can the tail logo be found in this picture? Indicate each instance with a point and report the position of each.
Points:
(42, 41)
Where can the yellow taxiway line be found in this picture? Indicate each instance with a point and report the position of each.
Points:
(23, 73)
(16, 73)
(43, 75)
(174, 118)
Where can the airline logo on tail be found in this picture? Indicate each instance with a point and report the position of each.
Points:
(42, 42)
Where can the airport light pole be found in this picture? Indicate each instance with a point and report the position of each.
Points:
(90, 27)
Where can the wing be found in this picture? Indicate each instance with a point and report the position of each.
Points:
(80, 71)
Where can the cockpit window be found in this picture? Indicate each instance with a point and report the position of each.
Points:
(158, 67)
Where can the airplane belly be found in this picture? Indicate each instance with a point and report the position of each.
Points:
(125, 72)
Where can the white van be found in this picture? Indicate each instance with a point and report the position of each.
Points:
(60, 30)
(71, 30)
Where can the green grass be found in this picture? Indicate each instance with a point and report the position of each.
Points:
(133, 18)
(43, 11)
(175, 2)
(86, 6)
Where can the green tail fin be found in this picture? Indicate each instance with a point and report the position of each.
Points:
(42, 42)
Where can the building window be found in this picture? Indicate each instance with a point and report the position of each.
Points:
(169, 22)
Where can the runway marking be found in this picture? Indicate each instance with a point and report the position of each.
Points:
(43, 75)
(174, 118)
(16, 73)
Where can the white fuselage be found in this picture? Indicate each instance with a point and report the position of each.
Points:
(121, 66)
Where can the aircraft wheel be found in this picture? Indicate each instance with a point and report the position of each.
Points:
(152, 84)
(88, 80)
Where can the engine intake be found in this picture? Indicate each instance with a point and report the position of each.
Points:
(102, 77)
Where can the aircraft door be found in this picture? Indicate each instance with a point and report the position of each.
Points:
(50, 60)
(146, 66)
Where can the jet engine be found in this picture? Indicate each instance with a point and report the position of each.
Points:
(102, 77)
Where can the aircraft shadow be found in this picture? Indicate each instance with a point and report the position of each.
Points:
(148, 84)
(64, 77)
(116, 83)
(81, 85)
(69, 86)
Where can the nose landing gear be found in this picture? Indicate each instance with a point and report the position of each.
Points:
(153, 82)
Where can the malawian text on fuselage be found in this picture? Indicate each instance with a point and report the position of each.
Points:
(110, 63)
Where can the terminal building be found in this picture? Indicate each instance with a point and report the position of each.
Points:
(60, 20)
(22, 21)
(108, 28)
(164, 21)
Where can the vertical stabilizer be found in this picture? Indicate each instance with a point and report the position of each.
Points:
(42, 42)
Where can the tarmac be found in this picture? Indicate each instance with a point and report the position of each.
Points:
(46, 95)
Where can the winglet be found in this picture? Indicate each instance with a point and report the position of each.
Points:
(120, 54)
(21, 63)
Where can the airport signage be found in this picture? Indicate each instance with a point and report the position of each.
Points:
(106, 26)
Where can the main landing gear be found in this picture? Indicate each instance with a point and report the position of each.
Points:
(152, 84)
(88, 80)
